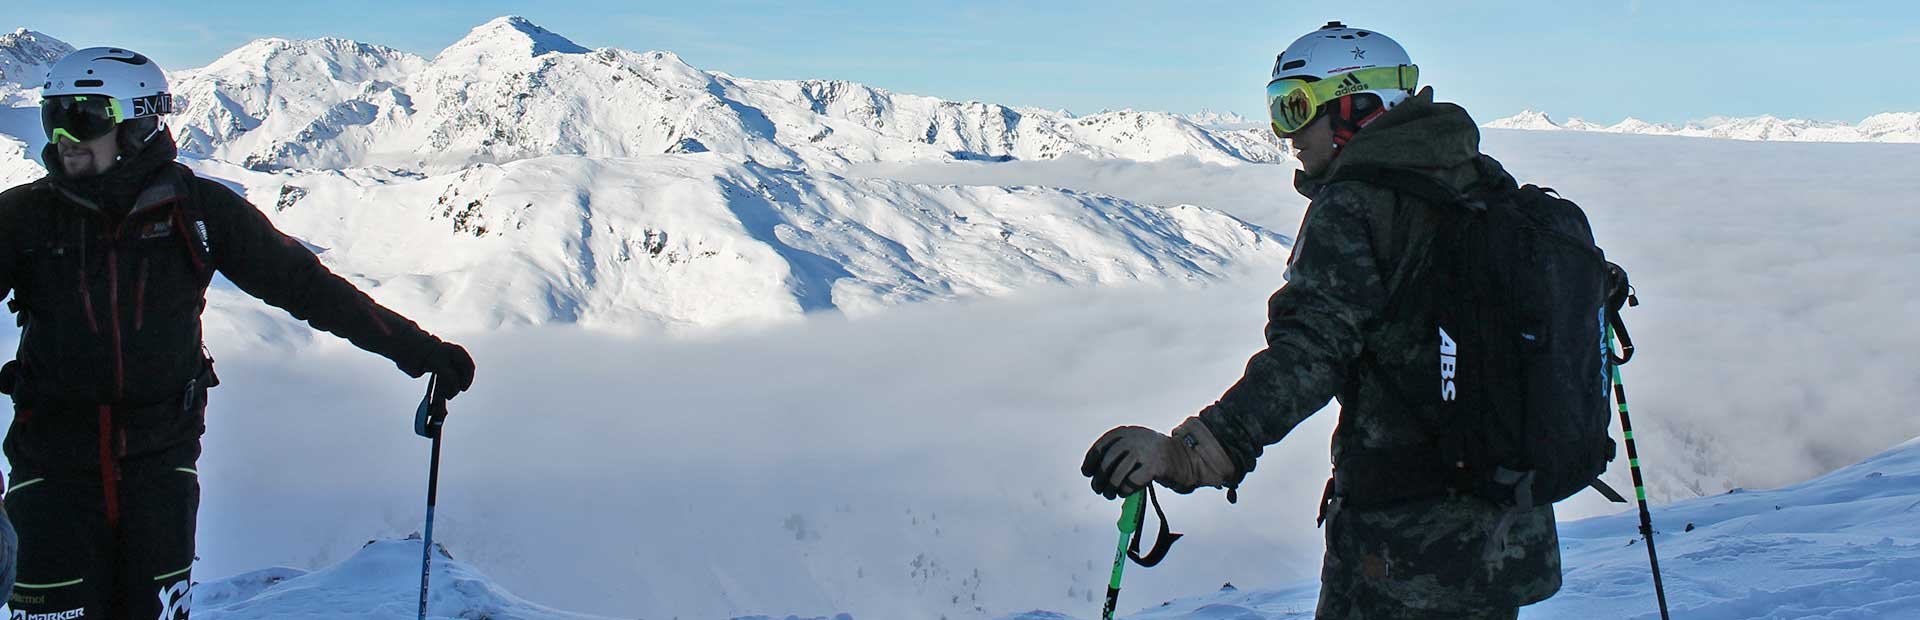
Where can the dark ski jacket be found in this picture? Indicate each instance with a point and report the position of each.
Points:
(110, 276)
(1328, 336)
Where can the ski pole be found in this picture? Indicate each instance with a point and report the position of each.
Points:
(1132, 516)
(427, 421)
(1639, 486)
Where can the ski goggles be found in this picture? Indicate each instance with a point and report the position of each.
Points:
(80, 118)
(1292, 103)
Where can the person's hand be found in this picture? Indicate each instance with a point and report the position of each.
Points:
(1126, 459)
(452, 368)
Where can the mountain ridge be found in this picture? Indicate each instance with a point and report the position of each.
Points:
(1895, 127)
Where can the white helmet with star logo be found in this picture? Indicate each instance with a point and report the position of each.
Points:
(1336, 49)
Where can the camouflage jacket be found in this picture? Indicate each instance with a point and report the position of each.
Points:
(1327, 336)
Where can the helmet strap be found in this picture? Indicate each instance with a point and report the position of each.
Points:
(128, 134)
(1348, 119)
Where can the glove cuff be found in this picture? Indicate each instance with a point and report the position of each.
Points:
(1211, 465)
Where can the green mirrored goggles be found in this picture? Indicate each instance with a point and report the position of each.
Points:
(1292, 103)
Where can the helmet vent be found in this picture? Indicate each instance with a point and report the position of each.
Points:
(1291, 65)
(88, 83)
(1362, 34)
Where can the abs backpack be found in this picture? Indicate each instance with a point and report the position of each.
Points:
(1517, 295)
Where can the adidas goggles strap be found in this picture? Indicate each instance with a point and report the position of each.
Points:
(1292, 103)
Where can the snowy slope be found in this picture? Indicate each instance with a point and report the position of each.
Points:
(1890, 127)
(513, 90)
(382, 580)
(1845, 545)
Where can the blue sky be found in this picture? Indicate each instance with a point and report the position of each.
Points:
(1603, 61)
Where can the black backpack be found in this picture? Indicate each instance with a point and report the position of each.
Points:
(1519, 298)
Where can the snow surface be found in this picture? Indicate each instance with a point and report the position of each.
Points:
(1887, 127)
(1844, 545)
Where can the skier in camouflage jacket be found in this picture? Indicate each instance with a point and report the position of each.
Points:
(1427, 552)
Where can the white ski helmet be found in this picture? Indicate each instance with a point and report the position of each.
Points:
(126, 76)
(102, 90)
(1335, 49)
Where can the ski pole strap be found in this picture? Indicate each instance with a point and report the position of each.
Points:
(1620, 294)
(1619, 333)
(432, 411)
(1161, 544)
(1607, 491)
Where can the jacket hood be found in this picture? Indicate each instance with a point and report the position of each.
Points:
(1436, 139)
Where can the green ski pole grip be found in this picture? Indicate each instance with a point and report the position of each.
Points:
(1130, 513)
(1130, 517)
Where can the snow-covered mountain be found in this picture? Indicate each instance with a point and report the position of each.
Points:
(1889, 127)
(530, 180)
(25, 56)
(714, 238)
(513, 90)
(1210, 118)
(1526, 119)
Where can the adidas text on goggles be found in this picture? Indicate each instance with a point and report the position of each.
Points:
(1292, 103)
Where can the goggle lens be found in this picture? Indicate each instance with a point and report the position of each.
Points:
(1290, 105)
(78, 118)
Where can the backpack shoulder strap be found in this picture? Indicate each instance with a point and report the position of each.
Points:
(1405, 181)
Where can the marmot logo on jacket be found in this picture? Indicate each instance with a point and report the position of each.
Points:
(156, 230)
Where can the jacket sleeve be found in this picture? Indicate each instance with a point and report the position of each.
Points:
(1316, 326)
(11, 202)
(281, 271)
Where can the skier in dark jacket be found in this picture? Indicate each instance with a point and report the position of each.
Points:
(1399, 543)
(108, 258)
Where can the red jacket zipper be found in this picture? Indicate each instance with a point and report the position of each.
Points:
(140, 297)
(109, 468)
(113, 303)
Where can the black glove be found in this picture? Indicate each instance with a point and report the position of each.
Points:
(452, 368)
(1128, 458)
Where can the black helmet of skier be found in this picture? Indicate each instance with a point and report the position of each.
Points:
(1349, 74)
(100, 90)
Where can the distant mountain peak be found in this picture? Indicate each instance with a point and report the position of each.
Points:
(513, 35)
(25, 56)
(1526, 119)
